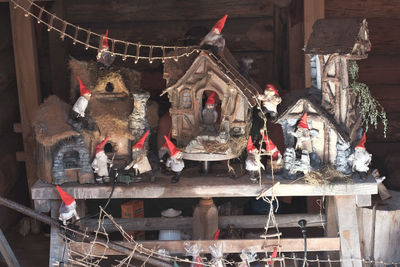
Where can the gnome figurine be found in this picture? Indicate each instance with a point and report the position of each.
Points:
(140, 163)
(209, 114)
(175, 161)
(304, 135)
(214, 39)
(271, 150)
(67, 208)
(270, 100)
(163, 152)
(81, 104)
(100, 162)
(253, 162)
(360, 159)
(104, 56)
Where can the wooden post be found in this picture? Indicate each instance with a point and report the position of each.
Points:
(348, 230)
(27, 72)
(313, 10)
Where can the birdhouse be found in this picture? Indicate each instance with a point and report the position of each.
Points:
(201, 81)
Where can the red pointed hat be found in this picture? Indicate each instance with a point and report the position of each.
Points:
(140, 143)
(211, 99)
(361, 144)
(250, 145)
(66, 198)
(105, 40)
(100, 146)
(172, 148)
(83, 88)
(169, 137)
(271, 87)
(269, 145)
(220, 24)
(303, 122)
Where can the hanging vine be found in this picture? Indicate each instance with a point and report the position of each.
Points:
(371, 110)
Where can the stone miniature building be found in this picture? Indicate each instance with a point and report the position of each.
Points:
(333, 118)
(188, 80)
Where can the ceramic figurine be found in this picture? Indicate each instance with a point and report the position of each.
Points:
(270, 100)
(253, 162)
(163, 152)
(209, 114)
(100, 162)
(361, 160)
(81, 104)
(214, 38)
(104, 56)
(302, 134)
(67, 208)
(175, 161)
(140, 163)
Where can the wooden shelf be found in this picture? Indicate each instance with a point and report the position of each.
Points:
(202, 186)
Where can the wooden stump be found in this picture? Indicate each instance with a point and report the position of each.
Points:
(379, 230)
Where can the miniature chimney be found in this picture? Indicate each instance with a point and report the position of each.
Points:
(138, 123)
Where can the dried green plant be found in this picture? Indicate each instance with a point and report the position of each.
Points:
(370, 109)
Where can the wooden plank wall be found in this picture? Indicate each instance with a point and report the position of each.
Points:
(249, 29)
(381, 70)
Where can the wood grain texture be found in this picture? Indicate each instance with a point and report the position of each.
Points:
(26, 68)
(362, 8)
(230, 246)
(243, 34)
(382, 34)
(380, 69)
(79, 11)
(296, 57)
(348, 230)
(200, 186)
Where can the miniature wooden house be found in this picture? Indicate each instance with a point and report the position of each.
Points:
(189, 79)
(332, 44)
(330, 104)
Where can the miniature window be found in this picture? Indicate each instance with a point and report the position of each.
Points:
(186, 99)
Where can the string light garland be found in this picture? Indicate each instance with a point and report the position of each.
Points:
(53, 21)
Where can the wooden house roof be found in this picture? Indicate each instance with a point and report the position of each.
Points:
(331, 36)
(300, 98)
(174, 71)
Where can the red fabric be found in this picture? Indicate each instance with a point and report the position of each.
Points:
(361, 144)
(303, 122)
(220, 24)
(199, 262)
(211, 99)
(250, 145)
(271, 87)
(269, 145)
(105, 40)
(82, 87)
(172, 148)
(100, 146)
(66, 198)
(273, 255)
(216, 235)
(140, 143)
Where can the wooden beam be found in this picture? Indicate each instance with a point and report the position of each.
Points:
(230, 246)
(296, 56)
(200, 186)
(244, 222)
(78, 11)
(27, 72)
(313, 10)
(362, 9)
(6, 252)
